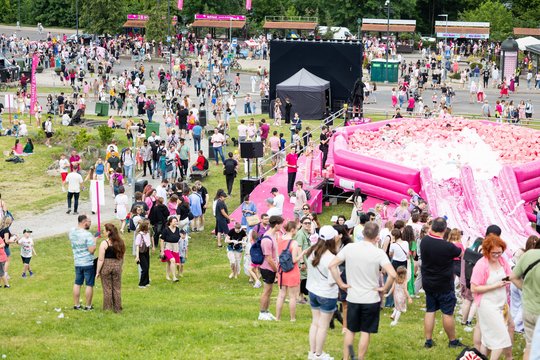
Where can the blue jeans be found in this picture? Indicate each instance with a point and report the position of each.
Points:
(128, 170)
(150, 115)
(219, 151)
(197, 142)
(247, 108)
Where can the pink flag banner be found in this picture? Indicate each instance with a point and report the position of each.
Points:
(248, 4)
(180, 4)
(33, 84)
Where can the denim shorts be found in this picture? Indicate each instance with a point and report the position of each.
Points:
(86, 274)
(322, 304)
(8, 251)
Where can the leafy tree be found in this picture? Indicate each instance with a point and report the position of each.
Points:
(103, 16)
(526, 11)
(157, 26)
(500, 18)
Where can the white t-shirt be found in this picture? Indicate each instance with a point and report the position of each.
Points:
(362, 263)
(161, 192)
(273, 211)
(27, 244)
(63, 164)
(74, 181)
(217, 140)
(279, 199)
(319, 279)
(400, 251)
(242, 130)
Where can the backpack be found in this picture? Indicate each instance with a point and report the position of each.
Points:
(206, 164)
(286, 262)
(43, 125)
(116, 180)
(470, 257)
(143, 248)
(471, 354)
(132, 226)
(152, 106)
(256, 253)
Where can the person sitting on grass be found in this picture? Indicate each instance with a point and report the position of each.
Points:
(29, 147)
(200, 163)
(17, 149)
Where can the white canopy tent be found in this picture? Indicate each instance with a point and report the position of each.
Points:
(527, 41)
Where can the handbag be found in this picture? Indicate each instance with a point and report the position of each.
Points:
(253, 220)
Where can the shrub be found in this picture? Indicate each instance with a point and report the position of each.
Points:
(82, 139)
(473, 65)
(455, 76)
(105, 134)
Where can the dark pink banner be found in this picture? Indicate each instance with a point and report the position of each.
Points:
(180, 4)
(33, 84)
(220, 17)
(248, 4)
(137, 17)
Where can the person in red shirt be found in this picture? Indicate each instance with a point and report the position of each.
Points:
(199, 164)
(75, 161)
(292, 167)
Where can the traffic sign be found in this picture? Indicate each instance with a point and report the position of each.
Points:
(226, 62)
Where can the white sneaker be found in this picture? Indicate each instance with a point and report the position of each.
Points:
(270, 316)
(323, 356)
(257, 284)
(310, 355)
(468, 329)
(263, 316)
(393, 323)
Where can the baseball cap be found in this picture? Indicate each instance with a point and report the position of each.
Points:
(327, 232)
(27, 231)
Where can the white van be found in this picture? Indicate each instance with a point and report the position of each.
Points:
(340, 33)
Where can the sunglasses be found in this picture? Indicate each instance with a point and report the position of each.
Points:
(307, 223)
(305, 208)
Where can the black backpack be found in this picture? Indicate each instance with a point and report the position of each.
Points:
(470, 258)
(43, 125)
(206, 164)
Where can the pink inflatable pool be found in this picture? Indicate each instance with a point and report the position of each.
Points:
(475, 173)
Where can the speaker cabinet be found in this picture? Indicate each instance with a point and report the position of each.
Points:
(247, 185)
(251, 150)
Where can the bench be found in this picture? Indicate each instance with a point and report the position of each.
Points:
(198, 175)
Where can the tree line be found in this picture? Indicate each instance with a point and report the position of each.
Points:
(108, 16)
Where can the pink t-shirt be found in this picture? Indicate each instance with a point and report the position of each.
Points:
(269, 248)
(292, 159)
(411, 103)
(274, 143)
(265, 129)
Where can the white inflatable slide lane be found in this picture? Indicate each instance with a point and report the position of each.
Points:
(472, 205)
(446, 199)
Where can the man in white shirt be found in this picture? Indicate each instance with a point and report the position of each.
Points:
(74, 181)
(242, 131)
(362, 263)
(279, 199)
(161, 189)
(217, 141)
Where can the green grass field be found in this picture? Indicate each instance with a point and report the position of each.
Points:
(204, 316)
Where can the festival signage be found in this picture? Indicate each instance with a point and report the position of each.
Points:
(248, 4)
(138, 17)
(220, 17)
(462, 36)
(180, 4)
(33, 84)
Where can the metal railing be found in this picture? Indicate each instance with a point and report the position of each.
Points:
(338, 114)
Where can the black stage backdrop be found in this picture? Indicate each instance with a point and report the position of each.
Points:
(339, 62)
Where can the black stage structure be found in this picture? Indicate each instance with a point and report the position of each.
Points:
(338, 61)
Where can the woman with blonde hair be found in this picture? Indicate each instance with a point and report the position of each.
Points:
(402, 211)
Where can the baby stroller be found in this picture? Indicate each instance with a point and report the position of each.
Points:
(77, 118)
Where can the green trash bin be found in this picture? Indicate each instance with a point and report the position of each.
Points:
(98, 109)
(104, 109)
(152, 126)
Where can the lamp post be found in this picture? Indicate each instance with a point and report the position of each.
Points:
(446, 28)
(134, 129)
(387, 4)
(77, 18)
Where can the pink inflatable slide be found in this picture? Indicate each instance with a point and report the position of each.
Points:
(470, 202)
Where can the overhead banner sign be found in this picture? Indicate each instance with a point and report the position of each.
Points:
(33, 84)
(220, 17)
(462, 36)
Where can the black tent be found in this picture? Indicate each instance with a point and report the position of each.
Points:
(309, 94)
